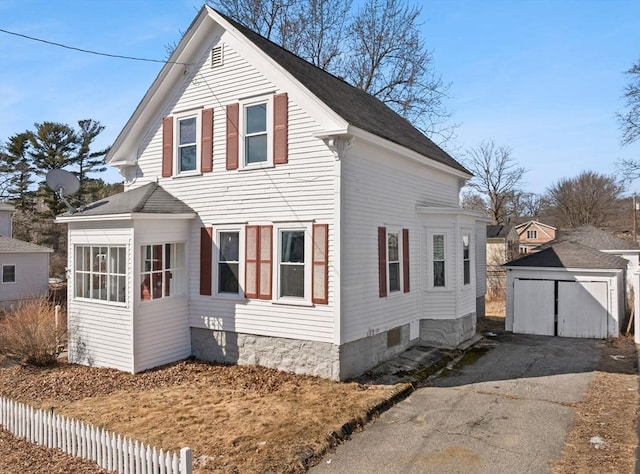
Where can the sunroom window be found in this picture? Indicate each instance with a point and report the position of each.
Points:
(438, 261)
(466, 259)
(100, 273)
(162, 271)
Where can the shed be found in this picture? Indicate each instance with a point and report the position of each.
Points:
(566, 289)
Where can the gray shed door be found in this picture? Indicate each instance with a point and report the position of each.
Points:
(533, 307)
(582, 309)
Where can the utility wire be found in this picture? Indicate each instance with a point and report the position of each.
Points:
(92, 52)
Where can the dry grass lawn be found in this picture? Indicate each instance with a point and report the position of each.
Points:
(235, 419)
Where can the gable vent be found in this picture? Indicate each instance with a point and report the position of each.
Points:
(216, 56)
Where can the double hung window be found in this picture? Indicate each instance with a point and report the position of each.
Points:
(228, 262)
(292, 281)
(466, 259)
(187, 144)
(393, 260)
(255, 134)
(439, 260)
(100, 273)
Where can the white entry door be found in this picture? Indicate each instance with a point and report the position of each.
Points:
(533, 307)
(582, 309)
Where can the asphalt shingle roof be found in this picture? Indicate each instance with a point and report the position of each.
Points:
(148, 199)
(496, 231)
(596, 238)
(9, 245)
(352, 104)
(570, 255)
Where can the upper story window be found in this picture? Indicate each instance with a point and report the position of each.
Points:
(8, 273)
(466, 259)
(187, 148)
(532, 234)
(256, 134)
(439, 260)
(162, 271)
(100, 273)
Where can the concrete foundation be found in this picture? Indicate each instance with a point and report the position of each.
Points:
(447, 333)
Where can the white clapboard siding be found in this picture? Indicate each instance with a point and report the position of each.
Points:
(380, 189)
(108, 450)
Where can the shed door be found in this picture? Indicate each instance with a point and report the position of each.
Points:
(533, 307)
(582, 309)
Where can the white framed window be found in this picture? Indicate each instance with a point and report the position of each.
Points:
(162, 271)
(293, 264)
(532, 234)
(256, 124)
(229, 271)
(394, 262)
(187, 138)
(466, 259)
(439, 260)
(8, 273)
(100, 273)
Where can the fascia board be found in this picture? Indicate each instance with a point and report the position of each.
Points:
(124, 217)
(416, 157)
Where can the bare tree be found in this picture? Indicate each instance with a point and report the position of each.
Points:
(630, 120)
(377, 48)
(586, 199)
(471, 200)
(496, 177)
(524, 204)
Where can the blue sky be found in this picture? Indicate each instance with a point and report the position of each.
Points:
(543, 77)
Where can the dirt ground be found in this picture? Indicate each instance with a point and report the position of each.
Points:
(234, 418)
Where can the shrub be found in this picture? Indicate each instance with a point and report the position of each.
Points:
(28, 333)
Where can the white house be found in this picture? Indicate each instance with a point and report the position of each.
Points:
(24, 267)
(272, 215)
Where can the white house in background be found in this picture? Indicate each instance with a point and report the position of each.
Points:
(24, 267)
(272, 215)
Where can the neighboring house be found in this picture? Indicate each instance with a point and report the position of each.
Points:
(574, 286)
(272, 215)
(502, 246)
(24, 267)
(532, 234)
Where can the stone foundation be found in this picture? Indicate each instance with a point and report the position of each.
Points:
(447, 333)
(290, 355)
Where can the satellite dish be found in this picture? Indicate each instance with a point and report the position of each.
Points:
(64, 184)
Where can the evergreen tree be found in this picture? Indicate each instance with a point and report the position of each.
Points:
(17, 171)
(86, 160)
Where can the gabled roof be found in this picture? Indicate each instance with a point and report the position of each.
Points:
(597, 239)
(524, 225)
(357, 108)
(148, 199)
(498, 231)
(9, 245)
(569, 255)
(354, 105)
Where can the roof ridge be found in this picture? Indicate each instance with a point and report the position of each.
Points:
(153, 187)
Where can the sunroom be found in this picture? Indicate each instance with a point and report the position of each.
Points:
(128, 289)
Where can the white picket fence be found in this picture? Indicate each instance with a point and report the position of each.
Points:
(110, 451)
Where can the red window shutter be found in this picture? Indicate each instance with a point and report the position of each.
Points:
(251, 262)
(167, 147)
(382, 261)
(280, 128)
(206, 146)
(405, 260)
(206, 254)
(233, 135)
(320, 264)
(265, 262)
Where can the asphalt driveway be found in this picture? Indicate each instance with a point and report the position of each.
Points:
(508, 411)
